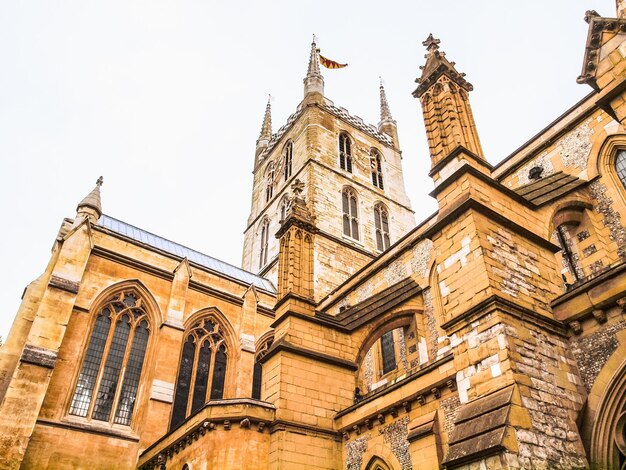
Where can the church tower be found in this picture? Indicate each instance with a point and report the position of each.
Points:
(352, 183)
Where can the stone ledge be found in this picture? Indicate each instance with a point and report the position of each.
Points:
(422, 426)
(39, 356)
(64, 284)
(481, 428)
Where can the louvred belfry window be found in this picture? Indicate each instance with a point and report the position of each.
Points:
(350, 213)
(113, 362)
(202, 370)
(345, 152)
(377, 169)
(381, 224)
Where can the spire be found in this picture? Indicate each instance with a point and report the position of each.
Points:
(385, 113)
(91, 205)
(387, 124)
(266, 129)
(314, 82)
(435, 66)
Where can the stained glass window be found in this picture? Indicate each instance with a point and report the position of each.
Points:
(123, 349)
(199, 367)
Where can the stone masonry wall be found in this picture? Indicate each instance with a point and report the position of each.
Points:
(552, 393)
(591, 351)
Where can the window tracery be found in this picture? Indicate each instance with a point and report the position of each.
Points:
(345, 152)
(257, 376)
(202, 369)
(377, 169)
(120, 334)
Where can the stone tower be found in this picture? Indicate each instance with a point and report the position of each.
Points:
(352, 183)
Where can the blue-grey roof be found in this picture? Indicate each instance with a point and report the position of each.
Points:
(181, 251)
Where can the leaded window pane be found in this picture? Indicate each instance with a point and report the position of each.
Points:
(355, 229)
(91, 365)
(179, 411)
(388, 352)
(620, 166)
(379, 241)
(131, 376)
(202, 377)
(112, 367)
(219, 374)
(257, 377)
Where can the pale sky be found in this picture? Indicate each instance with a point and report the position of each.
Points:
(165, 99)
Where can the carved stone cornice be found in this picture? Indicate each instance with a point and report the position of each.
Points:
(597, 26)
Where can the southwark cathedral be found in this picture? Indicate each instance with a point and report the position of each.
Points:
(491, 335)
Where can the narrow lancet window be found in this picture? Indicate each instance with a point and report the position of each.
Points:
(350, 213)
(265, 233)
(288, 160)
(381, 225)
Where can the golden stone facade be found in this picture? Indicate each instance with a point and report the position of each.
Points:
(491, 335)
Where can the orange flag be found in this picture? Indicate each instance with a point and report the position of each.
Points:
(331, 64)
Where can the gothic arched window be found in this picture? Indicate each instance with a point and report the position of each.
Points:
(377, 169)
(269, 182)
(285, 205)
(381, 224)
(350, 213)
(620, 166)
(257, 376)
(265, 236)
(120, 334)
(345, 152)
(202, 370)
(288, 159)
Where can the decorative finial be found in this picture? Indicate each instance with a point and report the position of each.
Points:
(431, 43)
(91, 206)
(297, 187)
(385, 113)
